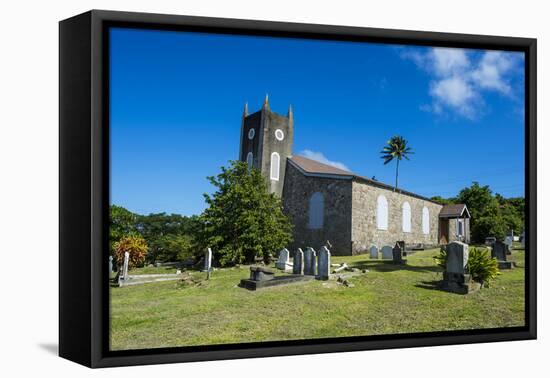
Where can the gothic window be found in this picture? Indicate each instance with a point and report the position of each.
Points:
(279, 134)
(382, 213)
(316, 210)
(275, 166)
(460, 227)
(250, 159)
(406, 212)
(251, 134)
(425, 220)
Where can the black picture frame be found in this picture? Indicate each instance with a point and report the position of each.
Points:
(84, 187)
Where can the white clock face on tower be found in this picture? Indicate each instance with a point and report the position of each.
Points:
(279, 134)
(251, 134)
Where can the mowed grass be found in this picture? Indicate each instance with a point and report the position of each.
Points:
(389, 299)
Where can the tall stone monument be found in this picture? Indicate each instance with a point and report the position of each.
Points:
(324, 263)
(298, 263)
(456, 277)
(310, 262)
(499, 251)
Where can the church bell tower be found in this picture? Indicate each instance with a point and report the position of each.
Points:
(266, 143)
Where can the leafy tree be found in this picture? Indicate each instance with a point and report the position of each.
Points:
(174, 247)
(122, 223)
(396, 148)
(135, 245)
(443, 201)
(243, 220)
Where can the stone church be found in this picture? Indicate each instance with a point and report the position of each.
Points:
(327, 203)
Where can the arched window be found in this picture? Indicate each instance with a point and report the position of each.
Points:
(406, 211)
(275, 163)
(250, 159)
(316, 210)
(382, 213)
(425, 220)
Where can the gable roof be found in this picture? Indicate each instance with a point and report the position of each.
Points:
(454, 211)
(314, 168)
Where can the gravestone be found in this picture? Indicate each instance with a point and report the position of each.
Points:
(283, 262)
(509, 241)
(397, 253)
(208, 260)
(456, 277)
(110, 264)
(125, 266)
(522, 239)
(298, 263)
(324, 263)
(490, 240)
(373, 252)
(310, 262)
(387, 252)
(499, 251)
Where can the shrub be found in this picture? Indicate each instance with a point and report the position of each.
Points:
(481, 266)
(135, 245)
(441, 258)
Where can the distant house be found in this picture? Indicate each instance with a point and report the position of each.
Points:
(328, 203)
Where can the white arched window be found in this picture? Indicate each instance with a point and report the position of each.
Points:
(425, 220)
(316, 210)
(250, 159)
(406, 211)
(382, 213)
(275, 163)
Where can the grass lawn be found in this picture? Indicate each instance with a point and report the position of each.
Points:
(389, 299)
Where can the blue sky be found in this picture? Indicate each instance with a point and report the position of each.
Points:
(177, 100)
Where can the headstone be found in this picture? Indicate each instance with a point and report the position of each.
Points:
(324, 263)
(283, 262)
(310, 262)
(110, 264)
(509, 241)
(522, 239)
(298, 263)
(397, 253)
(499, 251)
(387, 252)
(456, 277)
(208, 260)
(373, 252)
(126, 263)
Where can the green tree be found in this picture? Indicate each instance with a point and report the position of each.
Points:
(135, 245)
(397, 149)
(174, 247)
(122, 223)
(243, 220)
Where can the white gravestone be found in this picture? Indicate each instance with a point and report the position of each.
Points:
(283, 262)
(373, 252)
(310, 262)
(110, 264)
(324, 263)
(298, 264)
(123, 276)
(509, 241)
(208, 260)
(387, 252)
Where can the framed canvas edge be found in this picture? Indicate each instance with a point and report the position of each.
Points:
(99, 183)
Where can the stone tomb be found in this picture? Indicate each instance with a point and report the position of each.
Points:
(499, 251)
(261, 277)
(456, 278)
(373, 252)
(298, 263)
(387, 252)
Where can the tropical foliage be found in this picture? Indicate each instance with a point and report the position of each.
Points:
(482, 267)
(243, 220)
(396, 148)
(137, 248)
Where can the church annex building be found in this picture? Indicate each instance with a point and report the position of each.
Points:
(327, 203)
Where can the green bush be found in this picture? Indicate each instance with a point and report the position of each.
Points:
(441, 258)
(481, 266)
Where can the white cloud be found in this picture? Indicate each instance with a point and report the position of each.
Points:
(318, 156)
(459, 77)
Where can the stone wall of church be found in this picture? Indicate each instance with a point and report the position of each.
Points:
(365, 232)
(337, 195)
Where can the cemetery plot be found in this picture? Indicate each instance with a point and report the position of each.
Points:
(388, 299)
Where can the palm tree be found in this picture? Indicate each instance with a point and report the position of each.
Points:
(396, 149)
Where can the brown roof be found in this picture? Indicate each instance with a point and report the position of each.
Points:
(453, 210)
(314, 167)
